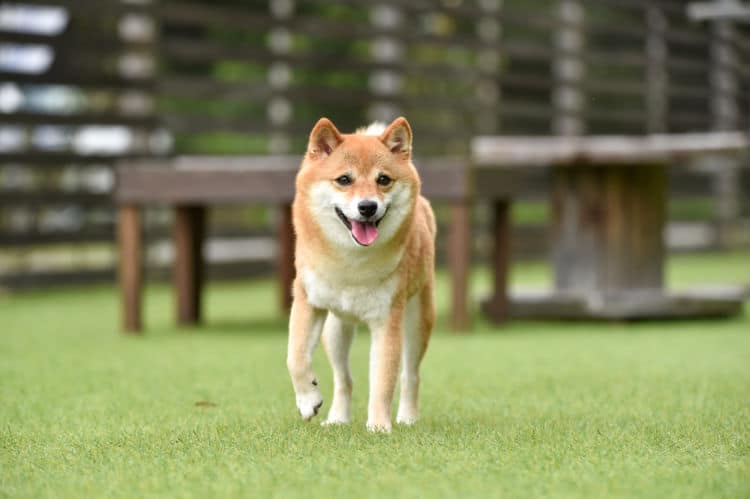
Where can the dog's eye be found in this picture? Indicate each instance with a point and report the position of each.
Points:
(344, 180)
(384, 180)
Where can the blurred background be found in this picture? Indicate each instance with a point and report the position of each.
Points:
(86, 83)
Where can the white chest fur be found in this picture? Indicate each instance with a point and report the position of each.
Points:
(369, 302)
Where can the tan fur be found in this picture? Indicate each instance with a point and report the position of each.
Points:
(361, 285)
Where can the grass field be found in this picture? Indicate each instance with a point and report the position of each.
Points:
(532, 410)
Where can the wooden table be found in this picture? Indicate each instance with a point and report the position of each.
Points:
(608, 209)
(190, 184)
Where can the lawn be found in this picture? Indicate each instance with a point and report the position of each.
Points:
(535, 409)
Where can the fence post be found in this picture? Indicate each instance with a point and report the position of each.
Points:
(656, 70)
(568, 69)
(386, 84)
(280, 112)
(130, 275)
(279, 109)
(724, 111)
(488, 92)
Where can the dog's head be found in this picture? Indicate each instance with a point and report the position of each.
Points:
(361, 187)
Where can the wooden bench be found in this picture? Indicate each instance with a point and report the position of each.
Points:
(190, 184)
(608, 209)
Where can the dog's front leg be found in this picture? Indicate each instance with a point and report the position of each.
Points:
(305, 325)
(385, 355)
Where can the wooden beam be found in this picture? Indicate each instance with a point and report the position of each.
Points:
(130, 274)
(189, 228)
(459, 261)
(258, 179)
(496, 307)
(604, 150)
(730, 10)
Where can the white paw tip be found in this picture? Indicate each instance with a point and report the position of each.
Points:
(309, 405)
(378, 428)
(334, 422)
(408, 421)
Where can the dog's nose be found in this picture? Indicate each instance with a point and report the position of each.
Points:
(367, 208)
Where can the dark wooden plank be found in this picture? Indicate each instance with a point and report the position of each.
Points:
(56, 159)
(100, 7)
(130, 273)
(97, 118)
(90, 78)
(46, 196)
(496, 307)
(88, 41)
(192, 50)
(459, 255)
(33, 238)
(189, 228)
(285, 256)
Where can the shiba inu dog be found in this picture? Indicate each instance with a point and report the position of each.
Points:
(365, 254)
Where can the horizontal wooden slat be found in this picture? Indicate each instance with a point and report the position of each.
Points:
(52, 197)
(520, 151)
(55, 159)
(82, 42)
(248, 179)
(86, 118)
(209, 180)
(33, 238)
(97, 8)
(64, 76)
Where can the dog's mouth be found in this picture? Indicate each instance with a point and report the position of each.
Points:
(363, 233)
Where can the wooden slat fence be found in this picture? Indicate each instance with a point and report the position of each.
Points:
(83, 100)
(251, 77)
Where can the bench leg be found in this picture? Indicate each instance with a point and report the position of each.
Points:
(130, 273)
(188, 233)
(497, 305)
(460, 259)
(285, 257)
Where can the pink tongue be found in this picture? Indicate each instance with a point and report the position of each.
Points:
(364, 232)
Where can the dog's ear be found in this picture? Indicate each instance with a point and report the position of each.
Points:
(324, 138)
(397, 137)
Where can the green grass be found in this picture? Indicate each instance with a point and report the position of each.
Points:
(536, 409)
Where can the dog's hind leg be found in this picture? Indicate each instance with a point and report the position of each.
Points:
(418, 322)
(337, 341)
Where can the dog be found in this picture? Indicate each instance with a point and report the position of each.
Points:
(365, 254)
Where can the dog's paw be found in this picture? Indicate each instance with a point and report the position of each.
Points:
(379, 427)
(406, 420)
(334, 422)
(407, 414)
(309, 403)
